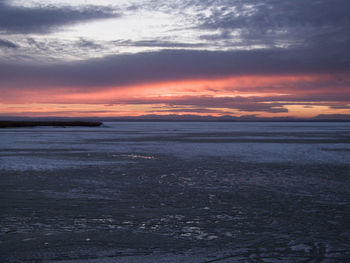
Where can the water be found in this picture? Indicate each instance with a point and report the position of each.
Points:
(176, 192)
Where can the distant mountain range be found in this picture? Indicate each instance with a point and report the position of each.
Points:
(175, 117)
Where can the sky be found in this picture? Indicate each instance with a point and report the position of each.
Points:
(110, 58)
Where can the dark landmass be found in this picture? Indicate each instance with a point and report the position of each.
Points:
(17, 124)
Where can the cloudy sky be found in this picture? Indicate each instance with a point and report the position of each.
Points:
(268, 58)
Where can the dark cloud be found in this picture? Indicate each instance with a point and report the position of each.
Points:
(273, 14)
(250, 104)
(191, 110)
(330, 96)
(322, 25)
(271, 104)
(342, 107)
(170, 65)
(8, 44)
(274, 22)
(17, 19)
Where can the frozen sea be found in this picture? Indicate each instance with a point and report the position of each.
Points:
(190, 192)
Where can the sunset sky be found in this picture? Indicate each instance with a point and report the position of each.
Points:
(88, 58)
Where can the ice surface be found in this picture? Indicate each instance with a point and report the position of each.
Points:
(176, 192)
(257, 142)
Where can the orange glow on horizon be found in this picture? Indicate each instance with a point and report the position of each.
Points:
(165, 98)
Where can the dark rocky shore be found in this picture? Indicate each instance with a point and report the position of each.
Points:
(17, 124)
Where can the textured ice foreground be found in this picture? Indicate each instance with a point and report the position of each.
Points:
(176, 192)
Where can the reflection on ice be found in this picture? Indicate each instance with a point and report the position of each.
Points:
(137, 156)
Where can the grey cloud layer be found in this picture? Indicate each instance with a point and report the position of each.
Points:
(16, 19)
(169, 65)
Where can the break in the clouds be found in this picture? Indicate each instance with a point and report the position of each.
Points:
(197, 56)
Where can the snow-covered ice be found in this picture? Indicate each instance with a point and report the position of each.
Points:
(176, 192)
